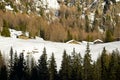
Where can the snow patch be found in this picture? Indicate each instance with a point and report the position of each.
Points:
(8, 7)
(91, 17)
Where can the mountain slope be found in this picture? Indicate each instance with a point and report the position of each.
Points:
(35, 47)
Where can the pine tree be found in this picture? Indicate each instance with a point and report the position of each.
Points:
(87, 66)
(1, 60)
(11, 58)
(3, 69)
(97, 69)
(34, 70)
(42, 66)
(113, 66)
(87, 27)
(5, 32)
(76, 66)
(108, 36)
(53, 68)
(104, 65)
(34, 73)
(3, 73)
(65, 67)
(21, 68)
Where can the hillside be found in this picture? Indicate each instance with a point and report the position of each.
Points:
(59, 20)
(35, 48)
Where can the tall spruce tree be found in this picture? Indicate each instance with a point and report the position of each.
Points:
(97, 69)
(65, 67)
(3, 73)
(113, 66)
(21, 67)
(42, 67)
(11, 59)
(104, 65)
(53, 68)
(5, 32)
(87, 66)
(76, 73)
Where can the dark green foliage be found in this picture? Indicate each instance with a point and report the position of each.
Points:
(11, 58)
(87, 65)
(42, 67)
(53, 68)
(76, 71)
(34, 74)
(42, 33)
(97, 69)
(5, 32)
(113, 66)
(65, 67)
(2, 6)
(108, 36)
(69, 36)
(106, 67)
(3, 73)
(13, 70)
(87, 27)
(3, 69)
(104, 64)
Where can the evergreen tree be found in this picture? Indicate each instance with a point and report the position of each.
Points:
(42, 67)
(20, 68)
(87, 66)
(53, 68)
(11, 59)
(3, 73)
(118, 64)
(5, 32)
(1, 60)
(76, 66)
(87, 27)
(113, 66)
(108, 36)
(34, 70)
(65, 67)
(104, 65)
(34, 73)
(97, 69)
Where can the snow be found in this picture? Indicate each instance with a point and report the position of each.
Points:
(119, 14)
(51, 4)
(117, 0)
(98, 40)
(15, 33)
(37, 45)
(91, 17)
(8, 7)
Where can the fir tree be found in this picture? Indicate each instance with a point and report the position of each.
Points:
(113, 66)
(104, 65)
(87, 65)
(5, 32)
(3, 73)
(65, 67)
(108, 36)
(53, 68)
(42, 67)
(76, 73)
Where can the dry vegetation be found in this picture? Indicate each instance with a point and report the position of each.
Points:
(68, 25)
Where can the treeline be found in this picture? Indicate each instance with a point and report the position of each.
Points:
(73, 67)
(71, 21)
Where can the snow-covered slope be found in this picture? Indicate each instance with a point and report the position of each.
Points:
(35, 46)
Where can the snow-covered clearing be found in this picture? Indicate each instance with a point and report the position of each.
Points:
(37, 45)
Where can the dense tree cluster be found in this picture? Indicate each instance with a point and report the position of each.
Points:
(73, 67)
(71, 21)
